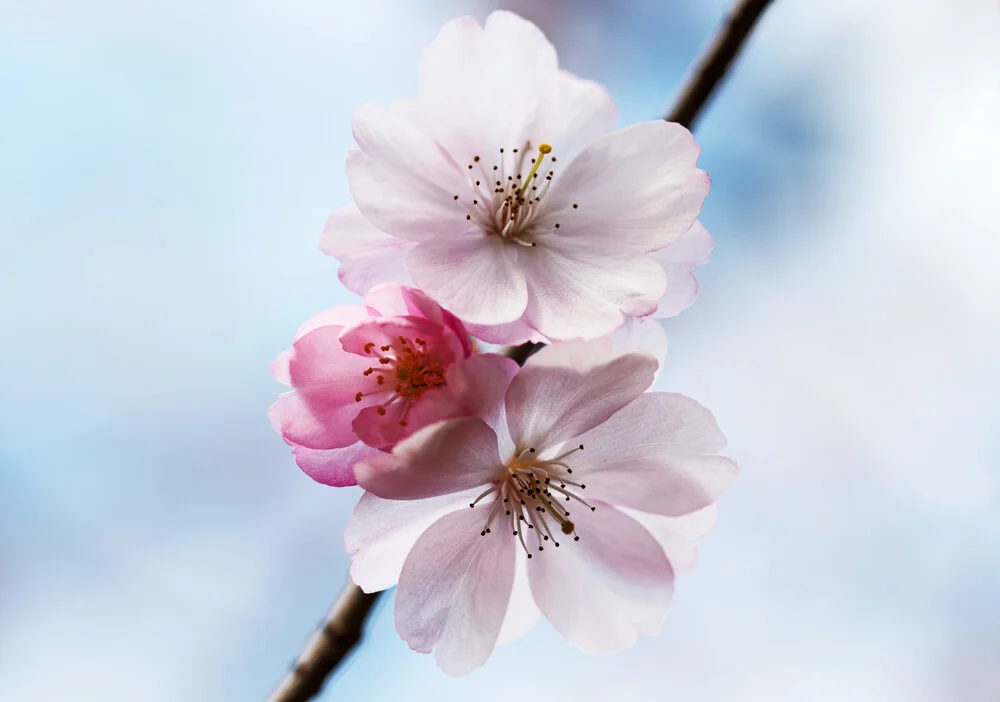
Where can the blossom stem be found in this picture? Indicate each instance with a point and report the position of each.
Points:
(341, 629)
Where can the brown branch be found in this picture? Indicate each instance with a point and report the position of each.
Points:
(328, 646)
(715, 63)
(341, 630)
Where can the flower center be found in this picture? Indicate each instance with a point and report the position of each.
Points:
(531, 495)
(508, 200)
(405, 371)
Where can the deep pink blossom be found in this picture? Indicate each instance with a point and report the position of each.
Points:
(358, 373)
(514, 203)
(583, 487)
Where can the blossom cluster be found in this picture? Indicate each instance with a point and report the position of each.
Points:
(501, 206)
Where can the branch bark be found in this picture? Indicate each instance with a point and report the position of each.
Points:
(328, 646)
(342, 627)
(714, 64)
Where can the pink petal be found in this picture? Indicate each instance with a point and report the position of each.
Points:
(644, 334)
(387, 301)
(547, 405)
(677, 260)
(401, 179)
(677, 536)
(334, 467)
(368, 256)
(450, 456)
(693, 248)
(512, 333)
(602, 591)
(474, 387)
(583, 356)
(654, 197)
(682, 289)
(381, 533)
(476, 277)
(419, 304)
(313, 424)
(654, 456)
(577, 293)
(319, 361)
(453, 591)
(339, 316)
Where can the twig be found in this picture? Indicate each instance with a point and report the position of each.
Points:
(342, 627)
(328, 646)
(714, 64)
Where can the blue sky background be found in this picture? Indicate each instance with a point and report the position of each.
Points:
(165, 170)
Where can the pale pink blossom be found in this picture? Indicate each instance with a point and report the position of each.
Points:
(678, 260)
(587, 494)
(514, 202)
(358, 373)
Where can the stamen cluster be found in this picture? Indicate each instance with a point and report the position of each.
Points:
(410, 370)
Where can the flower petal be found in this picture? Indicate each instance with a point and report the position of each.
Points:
(381, 533)
(511, 333)
(334, 467)
(644, 334)
(368, 256)
(467, 66)
(677, 260)
(474, 387)
(313, 424)
(450, 456)
(581, 112)
(453, 591)
(653, 456)
(402, 181)
(547, 405)
(476, 277)
(677, 536)
(522, 612)
(654, 197)
(575, 293)
(602, 591)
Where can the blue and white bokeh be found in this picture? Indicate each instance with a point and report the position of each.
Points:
(165, 171)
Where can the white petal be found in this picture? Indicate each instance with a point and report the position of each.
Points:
(381, 533)
(447, 457)
(677, 260)
(575, 293)
(677, 536)
(368, 256)
(654, 455)
(454, 589)
(468, 67)
(602, 591)
(644, 334)
(475, 277)
(546, 405)
(581, 112)
(522, 612)
(401, 179)
(637, 189)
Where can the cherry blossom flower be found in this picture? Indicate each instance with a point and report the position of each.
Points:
(357, 374)
(507, 194)
(582, 488)
(678, 260)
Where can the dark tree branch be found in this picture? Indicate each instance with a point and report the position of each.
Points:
(711, 69)
(328, 646)
(341, 630)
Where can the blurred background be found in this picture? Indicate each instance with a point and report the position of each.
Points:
(165, 171)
